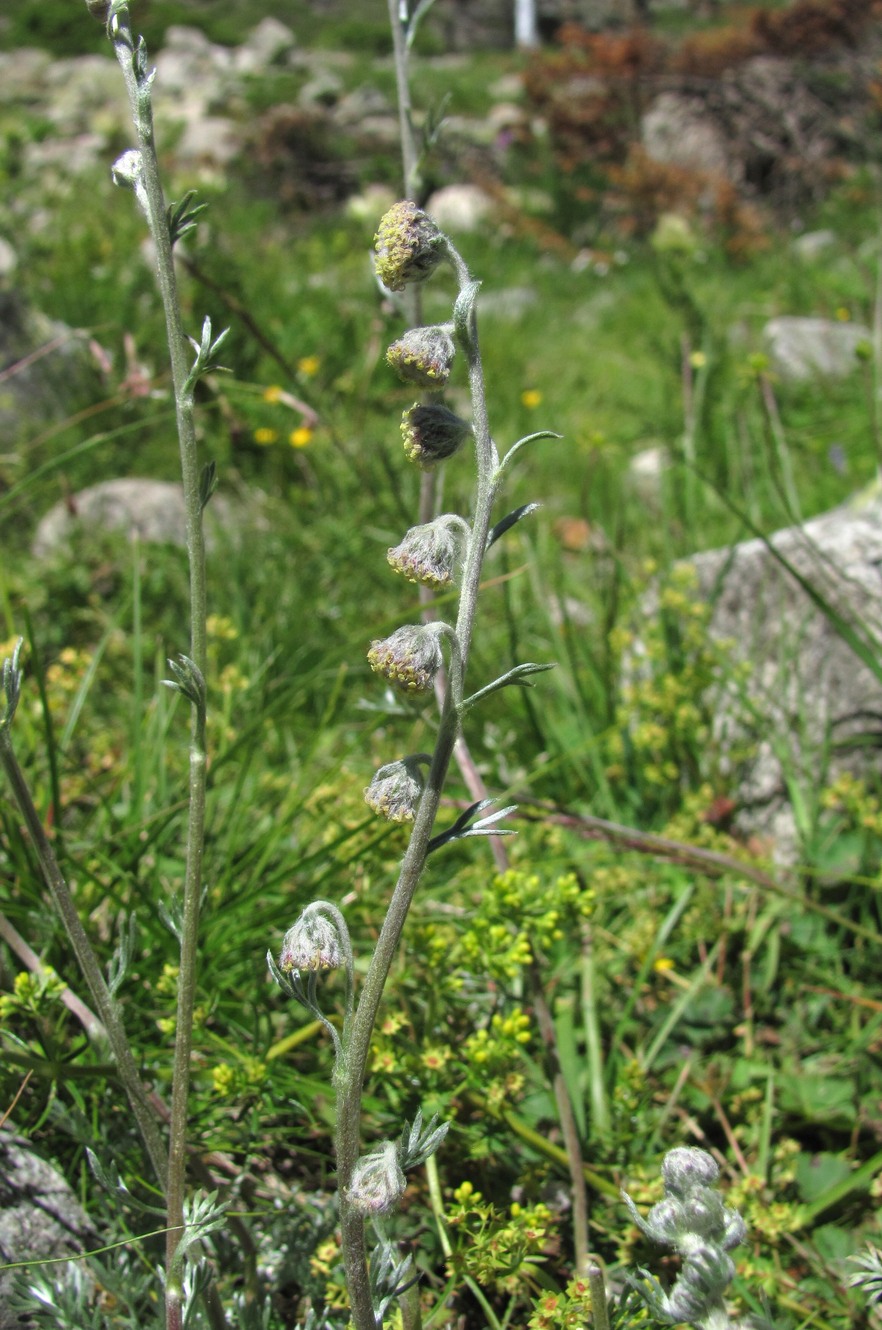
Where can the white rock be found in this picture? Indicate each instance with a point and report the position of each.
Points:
(8, 258)
(805, 348)
(646, 472)
(460, 207)
(211, 140)
(265, 45)
(151, 510)
(676, 130)
(811, 244)
(810, 688)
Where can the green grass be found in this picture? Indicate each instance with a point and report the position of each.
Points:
(693, 1005)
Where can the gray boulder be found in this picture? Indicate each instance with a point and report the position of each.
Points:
(461, 208)
(806, 348)
(148, 510)
(267, 44)
(813, 706)
(677, 131)
(40, 1217)
(46, 369)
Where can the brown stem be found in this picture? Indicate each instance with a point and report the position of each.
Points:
(567, 1119)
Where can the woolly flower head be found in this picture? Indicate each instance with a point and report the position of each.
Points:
(312, 944)
(408, 246)
(423, 356)
(432, 433)
(377, 1181)
(693, 1219)
(395, 791)
(410, 658)
(427, 554)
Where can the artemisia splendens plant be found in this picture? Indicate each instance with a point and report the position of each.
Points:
(450, 549)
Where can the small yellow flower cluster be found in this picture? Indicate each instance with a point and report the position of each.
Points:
(325, 1257)
(663, 722)
(848, 796)
(64, 676)
(223, 1078)
(493, 1049)
(239, 1081)
(222, 629)
(32, 993)
(570, 1310)
(167, 983)
(496, 1249)
(326, 1263)
(275, 395)
(519, 912)
(232, 680)
(507, 954)
(436, 1057)
(384, 1048)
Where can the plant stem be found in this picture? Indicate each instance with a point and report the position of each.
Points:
(597, 1285)
(107, 1009)
(138, 87)
(401, 56)
(567, 1119)
(350, 1069)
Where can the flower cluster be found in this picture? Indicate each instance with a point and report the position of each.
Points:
(423, 356)
(495, 1247)
(432, 433)
(694, 1221)
(408, 246)
(428, 553)
(395, 790)
(409, 658)
(312, 944)
(377, 1180)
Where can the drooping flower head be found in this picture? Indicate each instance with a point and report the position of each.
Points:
(432, 433)
(410, 658)
(428, 553)
(395, 791)
(312, 944)
(423, 356)
(408, 246)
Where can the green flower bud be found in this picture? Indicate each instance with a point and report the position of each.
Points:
(432, 433)
(377, 1181)
(408, 246)
(395, 791)
(423, 356)
(312, 944)
(410, 658)
(427, 554)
